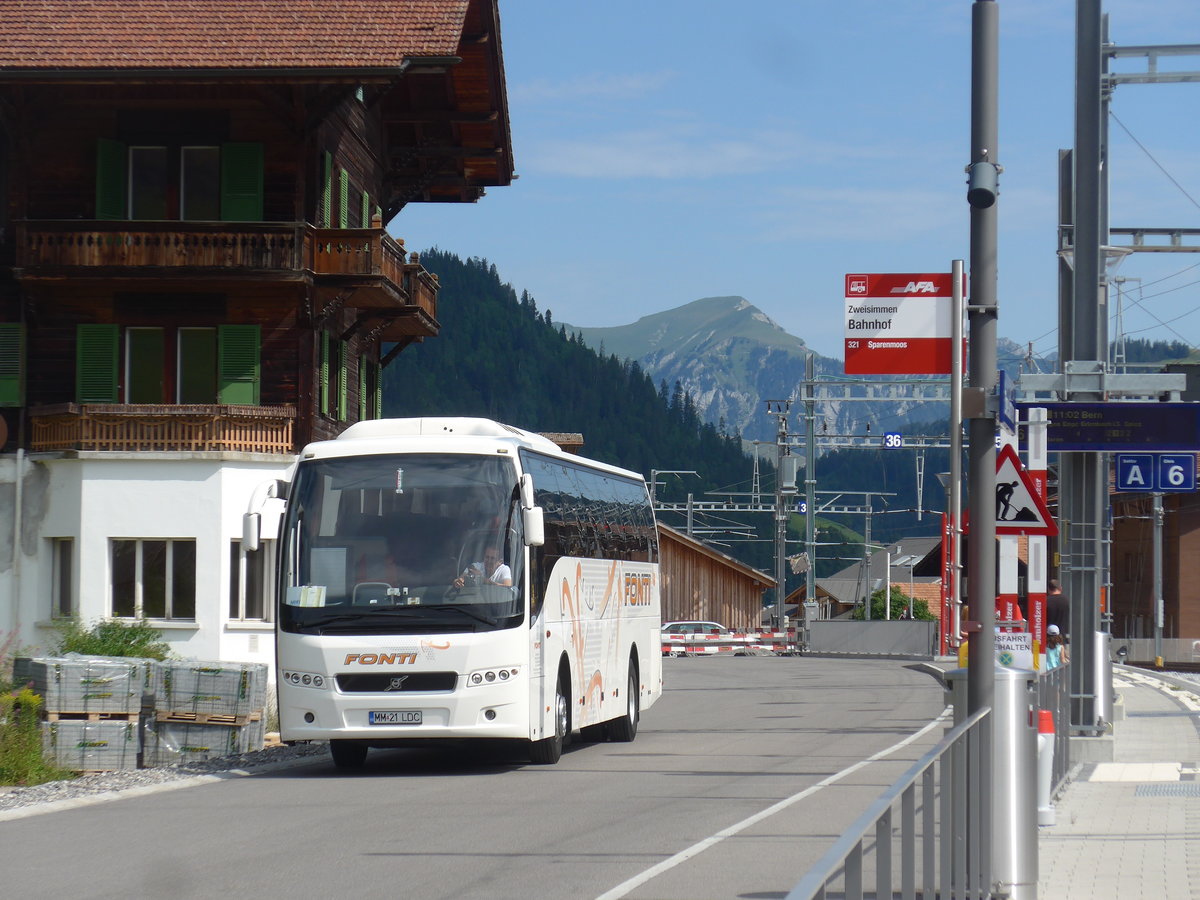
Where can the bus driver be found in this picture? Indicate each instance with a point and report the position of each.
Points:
(501, 574)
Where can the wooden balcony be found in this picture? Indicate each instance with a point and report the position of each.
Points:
(157, 427)
(360, 268)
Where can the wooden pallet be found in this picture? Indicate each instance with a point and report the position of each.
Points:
(200, 718)
(60, 716)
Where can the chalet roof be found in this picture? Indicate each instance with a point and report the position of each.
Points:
(225, 34)
(762, 579)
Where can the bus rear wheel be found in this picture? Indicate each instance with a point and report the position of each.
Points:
(625, 728)
(348, 754)
(547, 752)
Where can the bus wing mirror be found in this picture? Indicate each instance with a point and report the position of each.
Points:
(250, 532)
(527, 491)
(535, 526)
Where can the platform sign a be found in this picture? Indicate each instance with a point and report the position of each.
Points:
(1164, 473)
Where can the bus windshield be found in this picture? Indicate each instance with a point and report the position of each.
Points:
(402, 543)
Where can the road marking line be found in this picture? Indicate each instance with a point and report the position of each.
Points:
(623, 889)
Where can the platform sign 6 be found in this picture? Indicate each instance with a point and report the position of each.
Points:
(1156, 472)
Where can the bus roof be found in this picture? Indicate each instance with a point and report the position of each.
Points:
(467, 433)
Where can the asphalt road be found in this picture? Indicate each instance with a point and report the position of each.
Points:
(740, 777)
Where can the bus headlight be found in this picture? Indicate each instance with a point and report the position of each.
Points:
(491, 676)
(306, 679)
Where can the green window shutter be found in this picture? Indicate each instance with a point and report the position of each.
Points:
(112, 179)
(326, 217)
(12, 364)
(242, 182)
(366, 210)
(378, 392)
(323, 387)
(362, 387)
(343, 198)
(238, 364)
(343, 380)
(97, 353)
(146, 358)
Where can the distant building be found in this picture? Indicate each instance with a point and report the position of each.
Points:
(196, 279)
(702, 583)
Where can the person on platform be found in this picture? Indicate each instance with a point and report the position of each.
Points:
(1058, 607)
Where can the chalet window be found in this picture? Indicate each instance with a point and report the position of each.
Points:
(200, 184)
(369, 394)
(212, 365)
(144, 363)
(334, 377)
(247, 588)
(12, 364)
(154, 579)
(142, 182)
(147, 182)
(62, 577)
(196, 366)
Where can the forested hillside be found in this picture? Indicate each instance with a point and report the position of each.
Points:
(498, 356)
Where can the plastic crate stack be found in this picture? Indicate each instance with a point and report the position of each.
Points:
(91, 707)
(205, 710)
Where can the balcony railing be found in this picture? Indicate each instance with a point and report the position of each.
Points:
(368, 257)
(71, 244)
(140, 427)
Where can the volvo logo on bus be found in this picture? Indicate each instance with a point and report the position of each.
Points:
(397, 683)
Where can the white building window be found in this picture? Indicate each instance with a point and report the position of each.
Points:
(62, 578)
(153, 579)
(249, 585)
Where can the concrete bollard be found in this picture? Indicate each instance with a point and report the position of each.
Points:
(1045, 763)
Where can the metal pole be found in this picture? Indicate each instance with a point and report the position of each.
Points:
(982, 195)
(1158, 580)
(981, 545)
(810, 477)
(954, 489)
(1083, 348)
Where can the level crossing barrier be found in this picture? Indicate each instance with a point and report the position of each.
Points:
(732, 643)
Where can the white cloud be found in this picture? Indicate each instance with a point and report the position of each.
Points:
(593, 86)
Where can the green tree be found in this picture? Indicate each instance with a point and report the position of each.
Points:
(899, 602)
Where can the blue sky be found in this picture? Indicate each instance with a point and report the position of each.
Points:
(670, 150)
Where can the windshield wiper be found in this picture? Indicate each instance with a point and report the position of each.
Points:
(369, 615)
(467, 611)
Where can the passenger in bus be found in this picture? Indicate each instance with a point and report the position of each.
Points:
(476, 573)
(379, 565)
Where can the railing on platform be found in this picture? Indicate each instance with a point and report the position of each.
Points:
(159, 427)
(943, 840)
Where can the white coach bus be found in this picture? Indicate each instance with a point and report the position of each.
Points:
(459, 578)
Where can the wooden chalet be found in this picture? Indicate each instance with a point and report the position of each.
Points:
(193, 206)
(197, 278)
(702, 583)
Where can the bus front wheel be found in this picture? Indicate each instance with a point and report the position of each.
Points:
(547, 752)
(348, 754)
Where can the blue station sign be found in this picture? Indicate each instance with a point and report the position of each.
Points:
(1164, 473)
(1116, 427)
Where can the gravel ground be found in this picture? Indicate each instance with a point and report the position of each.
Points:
(86, 786)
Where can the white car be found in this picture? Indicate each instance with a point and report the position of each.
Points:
(686, 629)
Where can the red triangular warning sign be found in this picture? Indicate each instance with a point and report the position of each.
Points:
(1019, 508)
